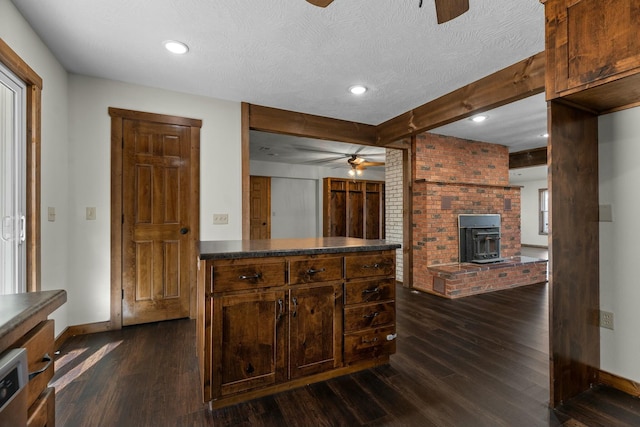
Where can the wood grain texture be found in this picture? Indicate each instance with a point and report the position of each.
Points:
(574, 260)
(246, 170)
(479, 361)
(353, 208)
(619, 383)
(528, 158)
(518, 81)
(274, 120)
(118, 117)
(593, 53)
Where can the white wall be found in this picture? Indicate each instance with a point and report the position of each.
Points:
(89, 178)
(76, 165)
(619, 174)
(17, 33)
(529, 221)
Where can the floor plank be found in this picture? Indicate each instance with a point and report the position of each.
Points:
(475, 361)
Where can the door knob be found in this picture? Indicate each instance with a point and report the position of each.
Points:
(184, 230)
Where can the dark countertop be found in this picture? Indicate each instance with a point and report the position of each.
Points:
(19, 313)
(231, 249)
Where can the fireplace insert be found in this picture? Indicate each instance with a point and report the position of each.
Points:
(479, 240)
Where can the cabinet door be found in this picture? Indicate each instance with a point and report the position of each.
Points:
(248, 344)
(315, 315)
(592, 41)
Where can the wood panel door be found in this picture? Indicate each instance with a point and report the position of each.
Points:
(260, 220)
(315, 319)
(156, 221)
(248, 344)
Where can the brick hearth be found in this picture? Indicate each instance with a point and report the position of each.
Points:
(456, 176)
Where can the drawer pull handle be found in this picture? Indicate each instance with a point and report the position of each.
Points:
(253, 277)
(371, 316)
(376, 265)
(281, 313)
(371, 291)
(45, 358)
(369, 341)
(312, 271)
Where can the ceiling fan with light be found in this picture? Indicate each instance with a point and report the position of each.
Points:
(358, 164)
(446, 10)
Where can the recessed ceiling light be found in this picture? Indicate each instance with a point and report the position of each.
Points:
(357, 89)
(479, 118)
(544, 135)
(176, 47)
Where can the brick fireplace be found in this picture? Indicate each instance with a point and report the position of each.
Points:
(456, 177)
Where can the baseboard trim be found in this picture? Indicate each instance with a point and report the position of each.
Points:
(87, 328)
(627, 386)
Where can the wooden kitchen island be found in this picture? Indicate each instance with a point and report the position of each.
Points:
(24, 324)
(278, 314)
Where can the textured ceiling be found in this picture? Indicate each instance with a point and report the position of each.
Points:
(289, 54)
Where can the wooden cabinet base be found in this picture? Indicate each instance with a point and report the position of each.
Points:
(300, 382)
(270, 322)
(43, 412)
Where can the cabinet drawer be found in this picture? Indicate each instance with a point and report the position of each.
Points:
(369, 316)
(39, 343)
(42, 413)
(257, 274)
(312, 270)
(370, 291)
(369, 344)
(381, 264)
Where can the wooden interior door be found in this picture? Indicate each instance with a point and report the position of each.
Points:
(260, 221)
(156, 221)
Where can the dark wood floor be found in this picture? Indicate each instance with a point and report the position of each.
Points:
(476, 361)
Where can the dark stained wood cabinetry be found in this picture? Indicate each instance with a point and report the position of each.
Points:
(593, 67)
(370, 311)
(270, 323)
(353, 208)
(24, 324)
(591, 43)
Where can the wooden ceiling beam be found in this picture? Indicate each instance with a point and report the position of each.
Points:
(274, 120)
(518, 81)
(528, 158)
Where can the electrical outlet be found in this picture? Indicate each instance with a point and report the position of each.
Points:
(221, 218)
(606, 319)
(51, 214)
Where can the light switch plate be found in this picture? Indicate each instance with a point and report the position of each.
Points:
(221, 218)
(91, 213)
(51, 214)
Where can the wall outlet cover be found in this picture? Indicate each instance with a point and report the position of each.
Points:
(606, 319)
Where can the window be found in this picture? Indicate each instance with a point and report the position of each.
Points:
(12, 183)
(543, 211)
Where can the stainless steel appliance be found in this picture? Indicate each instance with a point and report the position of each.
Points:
(14, 377)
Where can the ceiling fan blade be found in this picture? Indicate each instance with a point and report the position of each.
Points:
(320, 3)
(368, 164)
(446, 10)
